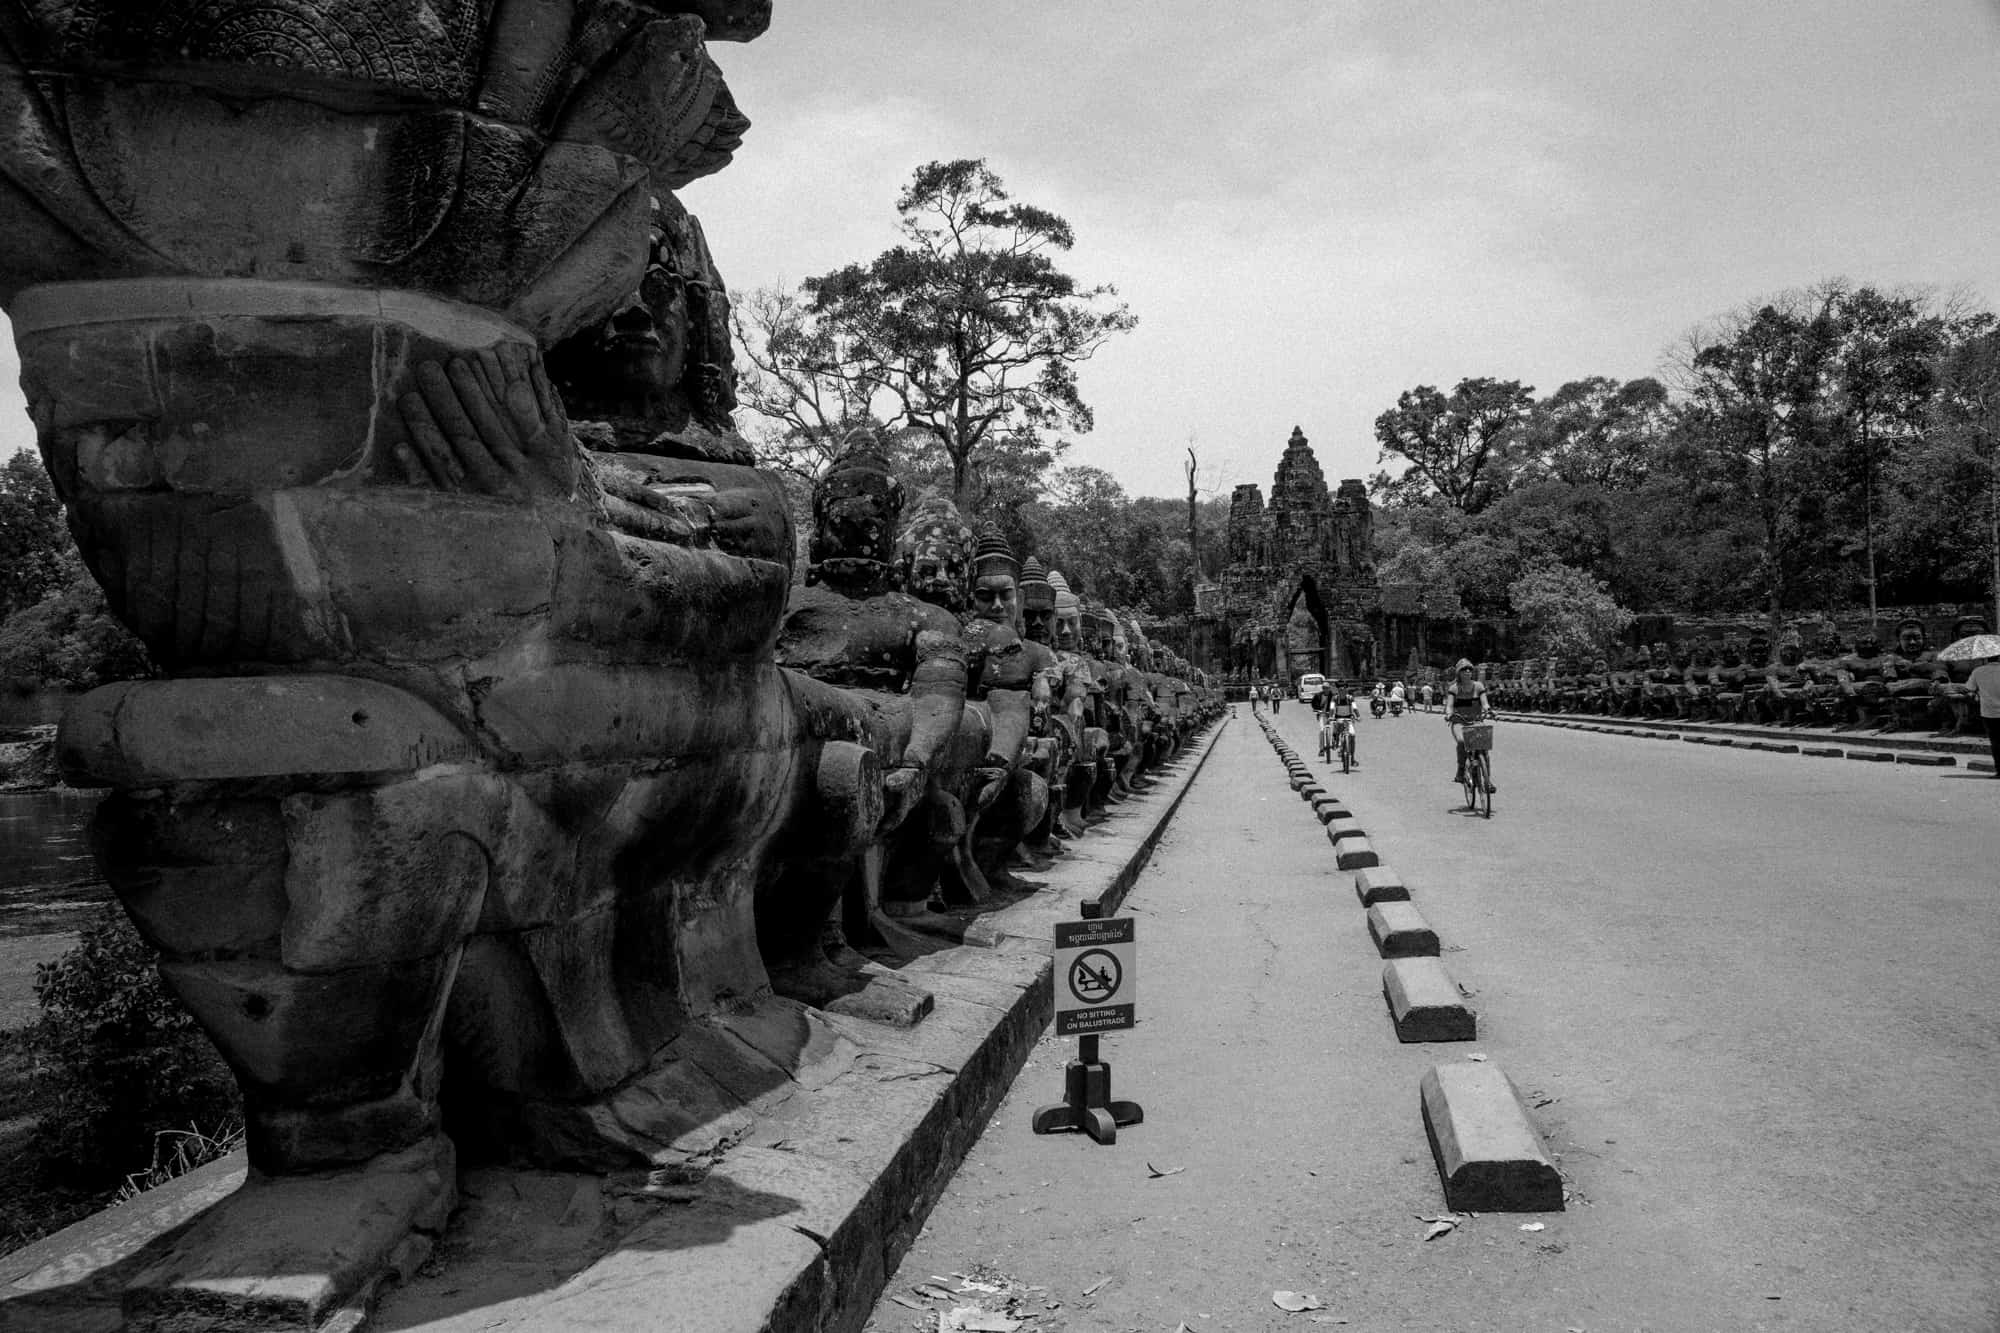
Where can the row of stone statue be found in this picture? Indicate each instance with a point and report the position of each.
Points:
(1030, 711)
(1857, 684)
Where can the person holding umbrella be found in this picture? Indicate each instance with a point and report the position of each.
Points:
(1984, 682)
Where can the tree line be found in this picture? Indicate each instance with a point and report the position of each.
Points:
(1831, 448)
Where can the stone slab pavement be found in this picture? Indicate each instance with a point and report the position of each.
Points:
(1750, 1006)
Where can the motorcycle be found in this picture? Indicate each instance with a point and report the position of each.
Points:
(1377, 707)
(1395, 708)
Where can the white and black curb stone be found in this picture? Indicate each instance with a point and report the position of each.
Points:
(1355, 854)
(1400, 931)
(1425, 1003)
(1379, 884)
(1487, 1152)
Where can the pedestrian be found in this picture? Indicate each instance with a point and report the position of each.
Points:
(1276, 699)
(1985, 682)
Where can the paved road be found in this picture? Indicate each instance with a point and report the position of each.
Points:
(1756, 993)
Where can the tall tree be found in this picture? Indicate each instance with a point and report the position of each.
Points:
(1592, 432)
(1966, 416)
(33, 540)
(1881, 379)
(966, 331)
(1451, 444)
(1757, 424)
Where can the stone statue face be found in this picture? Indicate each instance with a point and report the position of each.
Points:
(1831, 646)
(1759, 652)
(1069, 629)
(1683, 658)
(1911, 640)
(1732, 653)
(1867, 645)
(935, 554)
(1038, 620)
(994, 598)
(634, 358)
(1791, 654)
(1657, 654)
(1967, 626)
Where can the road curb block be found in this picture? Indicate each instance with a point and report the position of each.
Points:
(1871, 757)
(1488, 1155)
(1400, 931)
(1355, 854)
(1379, 884)
(1928, 760)
(1980, 766)
(1340, 828)
(1425, 1003)
(1823, 751)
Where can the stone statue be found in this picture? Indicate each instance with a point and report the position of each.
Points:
(851, 627)
(471, 781)
(1014, 684)
(1911, 673)
(1863, 682)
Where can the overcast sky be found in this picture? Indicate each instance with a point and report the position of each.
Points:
(1312, 205)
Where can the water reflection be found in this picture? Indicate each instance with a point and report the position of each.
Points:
(48, 880)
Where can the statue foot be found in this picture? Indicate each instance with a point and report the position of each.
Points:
(300, 1251)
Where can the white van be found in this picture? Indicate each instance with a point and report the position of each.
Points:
(1309, 685)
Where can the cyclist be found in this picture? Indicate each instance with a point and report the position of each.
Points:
(1467, 700)
(1341, 713)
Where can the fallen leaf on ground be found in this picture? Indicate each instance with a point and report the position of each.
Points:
(1295, 1301)
(930, 1293)
(1094, 1287)
(1154, 1172)
(1532, 1226)
(906, 1301)
(1437, 1229)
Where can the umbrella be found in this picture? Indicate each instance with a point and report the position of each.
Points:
(1971, 649)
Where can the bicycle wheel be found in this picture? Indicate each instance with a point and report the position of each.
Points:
(1347, 752)
(1470, 781)
(1484, 788)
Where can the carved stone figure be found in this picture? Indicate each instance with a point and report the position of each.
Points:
(1911, 673)
(1953, 695)
(471, 776)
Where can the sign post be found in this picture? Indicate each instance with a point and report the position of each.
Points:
(1096, 977)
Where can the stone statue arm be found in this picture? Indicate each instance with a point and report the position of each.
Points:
(937, 697)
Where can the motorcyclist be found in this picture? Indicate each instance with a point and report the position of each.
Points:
(1396, 696)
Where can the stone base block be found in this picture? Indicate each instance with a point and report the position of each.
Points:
(1424, 1002)
(1928, 760)
(1400, 931)
(1379, 884)
(1980, 766)
(1823, 751)
(298, 1252)
(1488, 1155)
(1341, 828)
(1355, 854)
(1872, 756)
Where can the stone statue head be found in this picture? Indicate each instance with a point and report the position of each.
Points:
(632, 369)
(1602, 666)
(1759, 651)
(1038, 603)
(1683, 656)
(995, 577)
(934, 553)
(1069, 614)
(1867, 645)
(1967, 626)
(1911, 637)
(856, 507)
(1831, 644)
(1731, 651)
(1142, 652)
(1791, 648)
(1121, 645)
(1656, 653)
(1096, 630)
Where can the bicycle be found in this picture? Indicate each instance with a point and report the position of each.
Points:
(1345, 726)
(1326, 738)
(1477, 740)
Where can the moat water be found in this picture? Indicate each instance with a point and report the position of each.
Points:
(48, 881)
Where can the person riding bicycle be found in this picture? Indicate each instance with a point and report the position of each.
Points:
(1341, 716)
(1468, 702)
(1322, 697)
